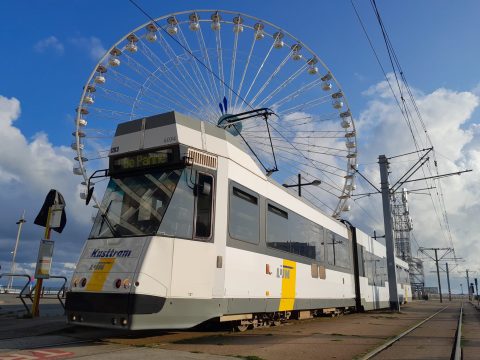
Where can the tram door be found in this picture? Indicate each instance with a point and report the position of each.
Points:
(192, 272)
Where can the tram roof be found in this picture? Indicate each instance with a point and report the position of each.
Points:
(175, 128)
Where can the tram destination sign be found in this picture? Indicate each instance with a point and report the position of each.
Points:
(144, 160)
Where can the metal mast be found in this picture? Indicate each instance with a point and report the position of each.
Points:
(12, 268)
(402, 227)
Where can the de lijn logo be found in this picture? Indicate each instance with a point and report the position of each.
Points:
(284, 271)
(98, 253)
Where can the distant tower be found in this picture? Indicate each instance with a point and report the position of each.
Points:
(402, 227)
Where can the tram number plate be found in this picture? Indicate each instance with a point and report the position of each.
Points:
(98, 266)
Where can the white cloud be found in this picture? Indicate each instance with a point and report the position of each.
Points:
(29, 168)
(448, 117)
(49, 43)
(92, 45)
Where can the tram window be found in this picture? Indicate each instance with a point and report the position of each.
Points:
(278, 234)
(204, 206)
(360, 257)
(244, 216)
(178, 220)
(303, 233)
(374, 269)
(134, 204)
(295, 234)
(338, 250)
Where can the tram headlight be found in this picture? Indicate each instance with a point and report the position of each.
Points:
(75, 282)
(83, 282)
(126, 283)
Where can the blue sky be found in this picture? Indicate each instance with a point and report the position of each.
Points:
(435, 41)
(49, 49)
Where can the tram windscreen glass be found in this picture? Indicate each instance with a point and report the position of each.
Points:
(144, 160)
(134, 204)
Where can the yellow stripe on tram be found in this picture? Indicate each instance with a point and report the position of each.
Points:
(100, 275)
(289, 277)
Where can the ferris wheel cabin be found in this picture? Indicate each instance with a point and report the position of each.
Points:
(191, 229)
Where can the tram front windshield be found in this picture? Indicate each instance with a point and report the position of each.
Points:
(134, 205)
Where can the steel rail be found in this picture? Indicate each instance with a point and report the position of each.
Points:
(457, 347)
(389, 343)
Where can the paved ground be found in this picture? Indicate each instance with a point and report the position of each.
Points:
(471, 332)
(344, 337)
(432, 340)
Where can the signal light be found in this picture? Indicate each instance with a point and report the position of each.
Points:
(83, 282)
(118, 283)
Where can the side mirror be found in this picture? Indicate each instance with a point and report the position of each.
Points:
(203, 188)
(89, 195)
(206, 189)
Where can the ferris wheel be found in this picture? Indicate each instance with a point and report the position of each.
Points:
(210, 64)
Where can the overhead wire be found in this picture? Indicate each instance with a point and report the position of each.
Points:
(405, 110)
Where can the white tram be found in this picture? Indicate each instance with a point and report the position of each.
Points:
(190, 230)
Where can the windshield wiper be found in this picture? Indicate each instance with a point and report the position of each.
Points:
(105, 219)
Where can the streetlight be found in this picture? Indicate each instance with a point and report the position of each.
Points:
(12, 268)
(300, 184)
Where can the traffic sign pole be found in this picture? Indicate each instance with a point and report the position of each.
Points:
(39, 284)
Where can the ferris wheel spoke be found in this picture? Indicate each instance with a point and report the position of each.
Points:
(218, 42)
(176, 104)
(306, 105)
(319, 200)
(206, 59)
(167, 73)
(290, 151)
(146, 73)
(127, 99)
(232, 66)
(341, 152)
(306, 150)
(113, 114)
(174, 59)
(300, 167)
(293, 146)
(182, 70)
(256, 75)
(198, 73)
(293, 94)
(177, 82)
(245, 69)
(270, 78)
(142, 89)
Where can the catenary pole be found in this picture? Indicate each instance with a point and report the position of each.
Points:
(468, 286)
(448, 282)
(387, 221)
(438, 276)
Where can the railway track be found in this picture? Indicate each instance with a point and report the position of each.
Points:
(432, 337)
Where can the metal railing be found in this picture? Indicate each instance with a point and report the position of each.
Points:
(62, 289)
(27, 294)
(21, 295)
